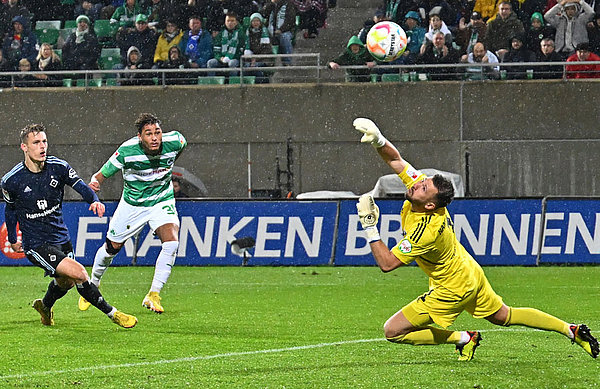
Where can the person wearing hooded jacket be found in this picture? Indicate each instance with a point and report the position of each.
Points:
(518, 53)
(135, 62)
(355, 54)
(257, 43)
(19, 43)
(569, 16)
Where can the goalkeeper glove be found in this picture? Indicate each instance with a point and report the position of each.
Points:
(371, 133)
(368, 214)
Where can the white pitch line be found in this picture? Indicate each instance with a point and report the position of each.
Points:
(215, 356)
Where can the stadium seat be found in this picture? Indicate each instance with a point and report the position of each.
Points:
(111, 82)
(68, 82)
(246, 79)
(70, 24)
(92, 82)
(105, 31)
(59, 53)
(47, 35)
(109, 57)
(211, 80)
(390, 77)
(47, 25)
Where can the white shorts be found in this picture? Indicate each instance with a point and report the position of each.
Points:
(128, 220)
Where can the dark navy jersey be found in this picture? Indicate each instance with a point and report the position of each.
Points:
(35, 201)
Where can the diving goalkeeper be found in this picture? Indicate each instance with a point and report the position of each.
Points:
(456, 282)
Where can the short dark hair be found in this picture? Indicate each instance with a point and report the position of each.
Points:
(31, 129)
(232, 14)
(445, 189)
(145, 118)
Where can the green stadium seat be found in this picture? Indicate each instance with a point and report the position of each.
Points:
(246, 80)
(105, 31)
(390, 77)
(275, 49)
(111, 82)
(109, 57)
(70, 24)
(67, 2)
(215, 80)
(47, 25)
(59, 53)
(92, 82)
(47, 35)
(68, 82)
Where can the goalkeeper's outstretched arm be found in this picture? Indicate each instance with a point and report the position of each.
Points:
(384, 147)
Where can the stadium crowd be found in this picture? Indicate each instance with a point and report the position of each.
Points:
(150, 34)
(447, 32)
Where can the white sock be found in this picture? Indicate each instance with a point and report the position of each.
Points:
(464, 338)
(112, 313)
(102, 261)
(164, 264)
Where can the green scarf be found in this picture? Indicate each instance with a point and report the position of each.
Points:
(230, 41)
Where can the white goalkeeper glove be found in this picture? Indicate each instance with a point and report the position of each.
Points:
(368, 214)
(371, 133)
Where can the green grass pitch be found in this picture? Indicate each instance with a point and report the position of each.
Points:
(292, 327)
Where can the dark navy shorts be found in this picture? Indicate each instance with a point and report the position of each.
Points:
(48, 256)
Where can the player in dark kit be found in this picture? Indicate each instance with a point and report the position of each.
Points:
(33, 191)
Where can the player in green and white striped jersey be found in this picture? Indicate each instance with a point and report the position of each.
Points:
(146, 162)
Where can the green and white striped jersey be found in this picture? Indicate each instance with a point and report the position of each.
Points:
(147, 178)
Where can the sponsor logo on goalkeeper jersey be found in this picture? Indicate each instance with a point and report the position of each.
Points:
(405, 246)
(412, 172)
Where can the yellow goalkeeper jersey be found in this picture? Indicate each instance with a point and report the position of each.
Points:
(429, 240)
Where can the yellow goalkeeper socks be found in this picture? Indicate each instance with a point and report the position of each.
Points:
(428, 336)
(534, 318)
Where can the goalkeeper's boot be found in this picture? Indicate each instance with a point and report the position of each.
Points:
(124, 320)
(83, 304)
(584, 338)
(46, 314)
(467, 351)
(152, 302)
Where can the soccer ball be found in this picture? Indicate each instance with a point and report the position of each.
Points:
(386, 41)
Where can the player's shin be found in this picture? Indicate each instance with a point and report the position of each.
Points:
(102, 261)
(53, 293)
(91, 293)
(428, 336)
(530, 317)
(164, 264)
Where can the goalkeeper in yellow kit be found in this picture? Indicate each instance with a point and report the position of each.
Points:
(456, 281)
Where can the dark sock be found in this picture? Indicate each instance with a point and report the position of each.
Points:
(53, 293)
(91, 293)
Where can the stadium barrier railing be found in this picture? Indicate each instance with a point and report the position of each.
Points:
(305, 68)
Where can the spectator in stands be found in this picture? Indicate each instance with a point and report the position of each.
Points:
(281, 23)
(441, 8)
(46, 9)
(378, 17)
(257, 43)
(188, 8)
(502, 29)
(537, 32)
(89, 8)
(9, 11)
(47, 60)
(228, 45)
(395, 10)
(481, 56)
(436, 24)
(4, 67)
(171, 36)
(19, 43)
(416, 37)
(313, 14)
(142, 37)
(110, 7)
(593, 29)
(177, 60)
(217, 9)
(583, 54)
(25, 78)
(159, 11)
(470, 33)
(518, 53)
(196, 44)
(135, 62)
(570, 18)
(126, 14)
(438, 53)
(547, 54)
(177, 188)
(355, 54)
(528, 8)
(81, 50)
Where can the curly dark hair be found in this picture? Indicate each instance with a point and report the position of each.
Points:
(145, 118)
(31, 129)
(445, 189)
